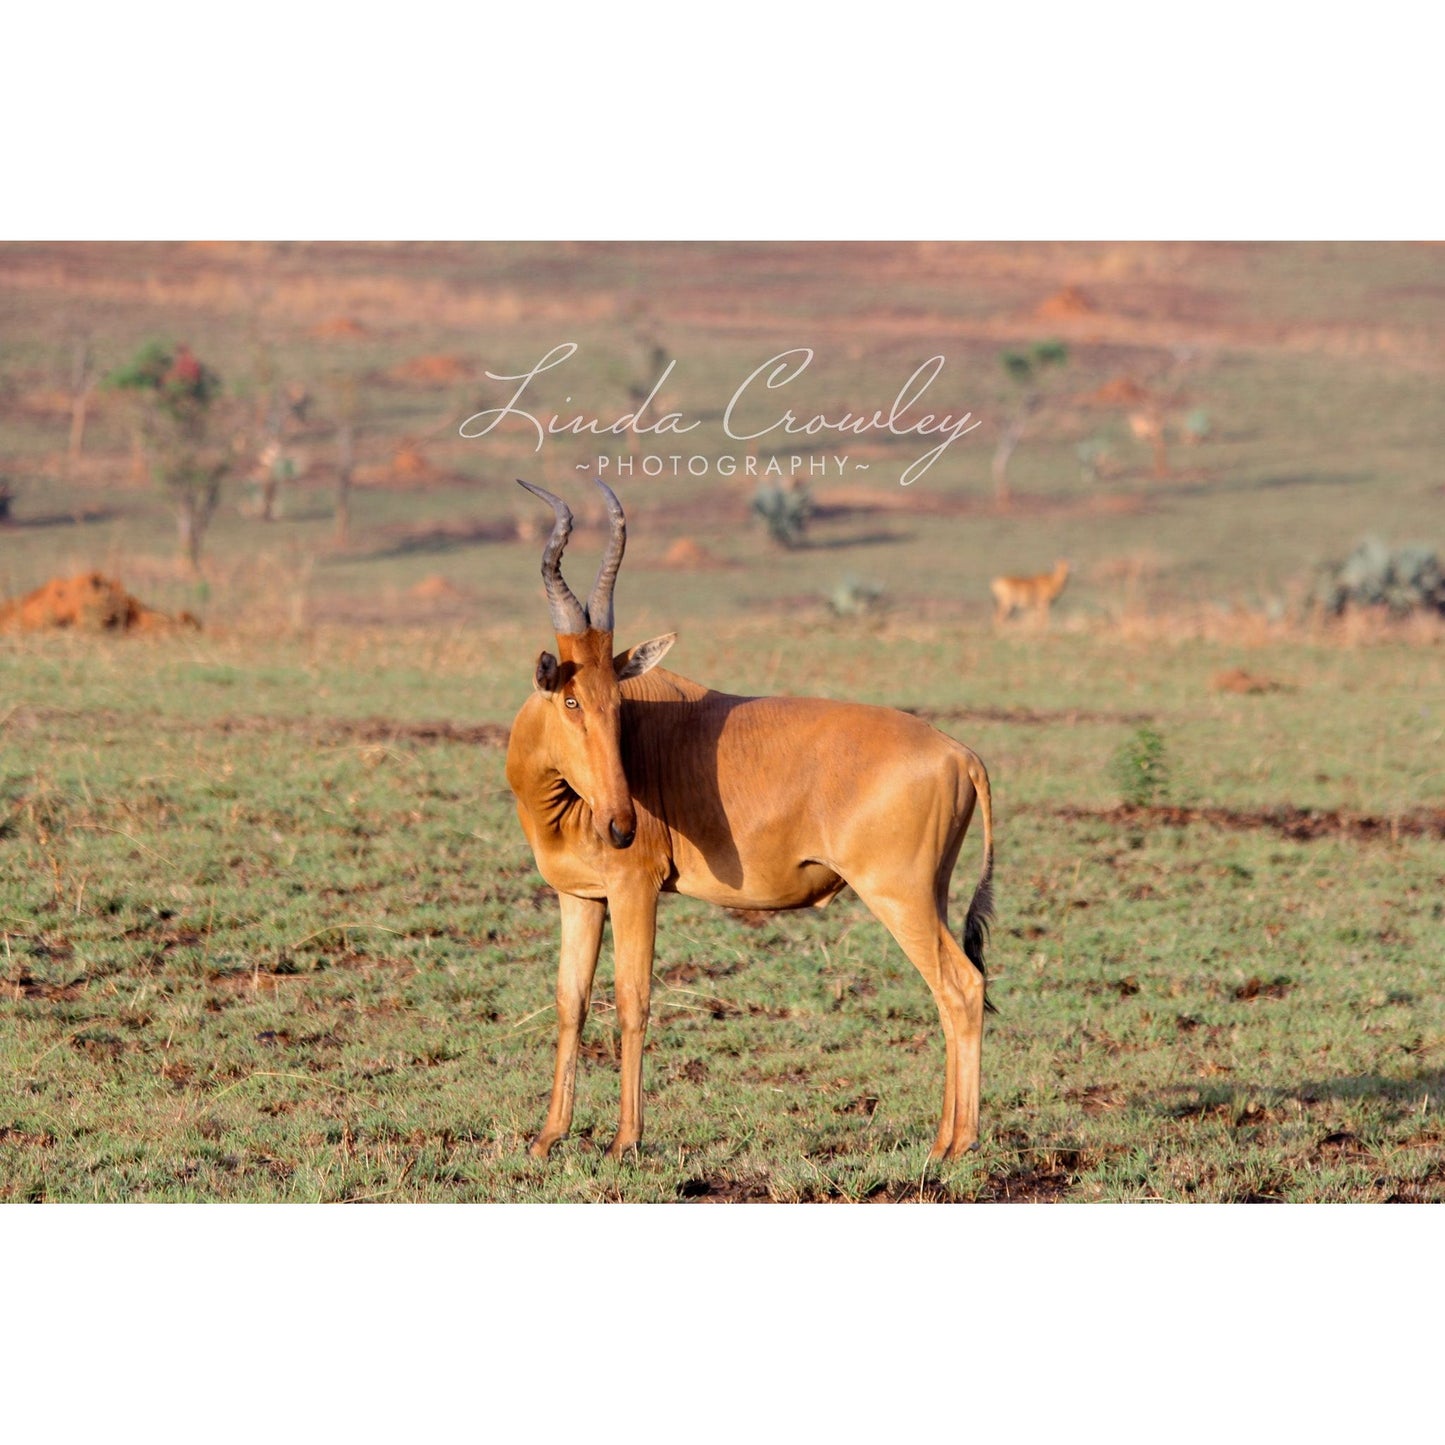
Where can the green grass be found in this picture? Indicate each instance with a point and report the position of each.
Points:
(258, 946)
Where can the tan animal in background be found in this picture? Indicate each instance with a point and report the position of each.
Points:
(1145, 426)
(632, 781)
(1036, 594)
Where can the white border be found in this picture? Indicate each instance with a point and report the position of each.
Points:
(1111, 121)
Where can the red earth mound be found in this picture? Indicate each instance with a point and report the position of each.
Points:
(688, 553)
(1069, 302)
(409, 461)
(436, 588)
(89, 602)
(1236, 679)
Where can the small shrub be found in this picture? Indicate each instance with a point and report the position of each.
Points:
(1140, 769)
(1017, 365)
(1403, 579)
(853, 597)
(1197, 425)
(1093, 455)
(785, 511)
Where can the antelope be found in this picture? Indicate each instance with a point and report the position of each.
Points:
(1011, 594)
(1148, 426)
(1144, 426)
(632, 781)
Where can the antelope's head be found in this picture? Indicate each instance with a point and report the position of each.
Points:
(581, 682)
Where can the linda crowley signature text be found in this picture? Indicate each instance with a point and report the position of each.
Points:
(749, 414)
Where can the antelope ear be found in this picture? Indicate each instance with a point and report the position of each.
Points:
(545, 678)
(642, 658)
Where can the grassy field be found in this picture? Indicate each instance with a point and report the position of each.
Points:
(270, 929)
(264, 941)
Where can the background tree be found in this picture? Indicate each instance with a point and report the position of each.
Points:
(345, 403)
(1166, 399)
(82, 381)
(1026, 368)
(175, 395)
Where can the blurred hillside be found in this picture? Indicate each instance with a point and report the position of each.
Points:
(1224, 419)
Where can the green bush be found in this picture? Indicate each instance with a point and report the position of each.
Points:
(785, 511)
(183, 386)
(1403, 579)
(1024, 366)
(1197, 425)
(1140, 769)
(853, 597)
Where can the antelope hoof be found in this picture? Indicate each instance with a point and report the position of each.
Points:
(621, 1147)
(939, 1152)
(541, 1146)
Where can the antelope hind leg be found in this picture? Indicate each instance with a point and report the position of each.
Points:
(957, 990)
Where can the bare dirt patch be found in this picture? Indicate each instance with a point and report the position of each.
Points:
(26, 1138)
(330, 730)
(1429, 1190)
(1068, 717)
(88, 602)
(1297, 824)
(1236, 679)
(339, 328)
(389, 730)
(1040, 1185)
(1256, 987)
(26, 985)
(752, 1189)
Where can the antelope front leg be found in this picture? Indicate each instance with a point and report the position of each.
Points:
(582, 920)
(634, 932)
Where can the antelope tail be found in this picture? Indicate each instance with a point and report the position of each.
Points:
(980, 909)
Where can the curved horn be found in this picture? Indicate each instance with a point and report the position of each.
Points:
(599, 605)
(567, 613)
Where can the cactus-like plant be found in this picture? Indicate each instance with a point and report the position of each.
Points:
(1196, 426)
(785, 511)
(854, 597)
(1404, 579)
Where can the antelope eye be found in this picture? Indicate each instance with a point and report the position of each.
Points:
(572, 702)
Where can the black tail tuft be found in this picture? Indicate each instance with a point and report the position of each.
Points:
(975, 930)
